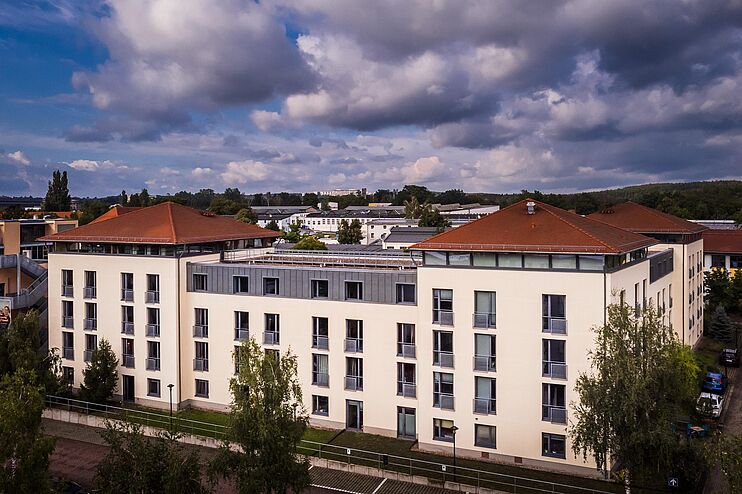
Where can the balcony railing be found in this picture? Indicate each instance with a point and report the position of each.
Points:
(68, 291)
(127, 295)
(407, 390)
(68, 322)
(152, 330)
(87, 355)
(406, 350)
(484, 363)
(554, 370)
(128, 361)
(89, 292)
(354, 383)
(555, 325)
(483, 320)
(443, 317)
(354, 345)
(152, 297)
(443, 359)
(443, 401)
(486, 406)
(320, 342)
(241, 334)
(153, 364)
(271, 338)
(127, 327)
(321, 378)
(200, 364)
(200, 331)
(554, 414)
(90, 324)
(68, 353)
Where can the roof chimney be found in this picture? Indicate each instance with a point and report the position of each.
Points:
(531, 206)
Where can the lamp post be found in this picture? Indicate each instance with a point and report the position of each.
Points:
(170, 386)
(453, 430)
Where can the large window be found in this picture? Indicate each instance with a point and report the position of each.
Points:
(127, 287)
(91, 343)
(153, 355)
(406, 423)
(271, 286)
(67, 283)
(553, 311)
(718, 261)
(485, 304)
(484, 352)
(89, 290)
(68, 314)
(201, 362)
(127, 352)
(443, 306)
(353, 335)
(320, 405)
(202, 388)
(553, 445)
(153, 289)
(554, 359)
(554, 404)
(127, 319)
(353, 373)
(406, 380)
(443, 348)
(406, 340)
(68, 345)
(272, 333)
(201, 326)
(443, 390)
(240, 284)
(485, 436)
(153, 322)
(443, 430)
(91, 316)
(405, 293)
(241, 325)
(200, 283)
(353, 290)
(153, 387)
(320, 289)
(485, 395)
(320, 369)
(320, 333)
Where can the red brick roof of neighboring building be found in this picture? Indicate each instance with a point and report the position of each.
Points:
(722, 241)
(642, 219)
(114, 212)
(165, 223)
(548, 229)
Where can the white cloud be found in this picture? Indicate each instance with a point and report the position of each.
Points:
(169, 172)
(200, 172)
(245, 171)
(84, 165)
(19, 157)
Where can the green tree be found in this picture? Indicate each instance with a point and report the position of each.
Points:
(222, 205)
(294, 234)
(91, 210)
(246, 215)
(735, 293)
(272, 225)
(350, 233)
(412, 208)
(717, 287)
(137, 463)
(431, 217)
(310, 199)
(267, 423)
(58, 194)
(310, 243)
(123, 198)
(729, 455)
(452, 196)
(144, 199)
(24, 450)
(642, 378)
(721, 327)
(233, 194)
(100, 376)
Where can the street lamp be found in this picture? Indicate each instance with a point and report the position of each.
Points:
(453, 430)
(170, 386)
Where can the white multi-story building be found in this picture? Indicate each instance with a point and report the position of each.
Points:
(483, 330)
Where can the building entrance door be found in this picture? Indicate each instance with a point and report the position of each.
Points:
(128, 387)
(354, 415)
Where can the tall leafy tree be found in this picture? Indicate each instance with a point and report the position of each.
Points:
(641, 379)
(412, 208)
(294, 234)
(267, 423)
(246, 215)
(717, 285)
(272, 225)
(431, 217)
(91, 210)
(100, 377)
(721, 327)
(350, 233)
(729, 455)
(123, 198)
(310, 243)
(58, 194)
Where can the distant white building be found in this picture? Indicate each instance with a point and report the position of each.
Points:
(343, 192)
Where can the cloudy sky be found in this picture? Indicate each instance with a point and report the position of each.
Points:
(484, 95)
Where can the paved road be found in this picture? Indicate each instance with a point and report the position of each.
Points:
(732, 421)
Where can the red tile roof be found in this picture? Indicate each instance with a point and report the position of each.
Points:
(722, 241)
(165, 223)
(114, 212)
(548, 229)
(641, 219)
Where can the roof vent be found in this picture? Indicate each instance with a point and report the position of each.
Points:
(531, 206)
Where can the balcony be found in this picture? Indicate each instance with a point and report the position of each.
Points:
(484, 363)
(68, 322)
(128, 361)
(554, 414)
(152, 297)
(89, 292)
(152, 330)
(320, 342)
(200, 331)
(153, 364)
(486, 406)
(127, 295)
(354, 345)
(68, 291)
(406, 350)
(87, 355)
(554, 370)
(127, 327)
(443, 317)
(483, 320)
(407, 390)
(321, 379)
(89, 324)
(443, 359)
(241, 334)
(270, 338)
(444, 401)
(354, 383)
(555, 325)
(68, 353)
(201, 364)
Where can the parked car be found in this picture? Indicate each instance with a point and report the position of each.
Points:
(729, 357)
(711, 404)
(714, 382)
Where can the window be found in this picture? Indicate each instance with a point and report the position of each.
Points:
(484, 352)
(153, 387)
(485, 304)
(68, 344)
(353, 373)
(637, 299)
(127, 352)
(67, 283)
(200, 282)
(127, 319)
(406, 423)
(91, 343)
(91, 316)
(240, 284)
(153, 355)
(443, 430)
(563, 261)
(406, 380)
(435, 258)
(510, 260)
(485, 436)
(553, 314)
(486, 260)
(272, 333)
(406, 340)
(553, 445)
(241, 325)
(68, 314)
(459, 259)
(536, 261)
(718, 261)
(201, 362)
(353, 335)
(554, 359)
(353, 290)
(320, 334)
(443, 306)
(270, 286)
(153, 322)
(553, 403)
(443, 348)
(591, 263)
(90, 285)
(485, 395)
(320, 405)
(201, 324)
(68, 375)
(405, 293)
(320, 372)
(443, 390)
(735, 262)
(153, 289)
(320, 289)
(202, 388)
(127, 287)
(644, 294)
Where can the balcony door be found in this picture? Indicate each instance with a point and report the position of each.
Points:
(128, 387)
(354, 415)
